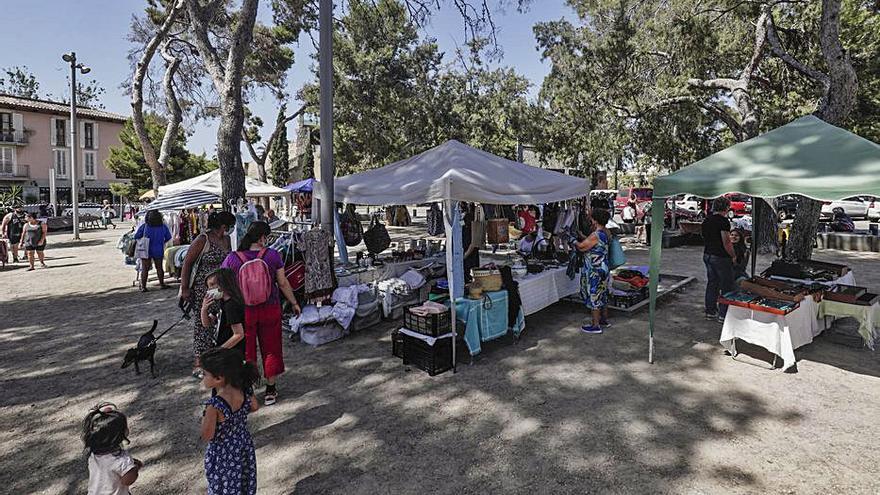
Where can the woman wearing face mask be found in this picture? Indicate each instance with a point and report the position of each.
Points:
(263, 320)
(223, 290)
(205, 255)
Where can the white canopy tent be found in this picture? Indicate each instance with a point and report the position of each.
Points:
(210, 182)
(455, 172)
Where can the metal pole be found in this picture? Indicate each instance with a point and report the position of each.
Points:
(328, 204)
(74, 188)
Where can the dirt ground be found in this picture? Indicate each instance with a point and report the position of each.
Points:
(561, 412)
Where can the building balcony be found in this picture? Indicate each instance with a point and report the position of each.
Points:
(15, 172)
(13, 137)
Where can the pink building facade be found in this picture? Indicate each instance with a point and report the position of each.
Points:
(35, 138)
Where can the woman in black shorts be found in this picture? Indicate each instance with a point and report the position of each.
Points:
(33, 240)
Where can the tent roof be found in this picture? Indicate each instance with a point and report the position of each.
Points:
(303, 186)
(210, 182)
(177, 200)
(456, 171)
(807, 156)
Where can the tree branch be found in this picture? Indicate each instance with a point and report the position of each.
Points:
(720, 83)
(175, 114)
(137, 95)
(776, 47)
(710, 107)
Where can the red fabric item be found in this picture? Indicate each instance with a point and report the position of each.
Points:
(296, 275)
(263, 324)
(529, 224)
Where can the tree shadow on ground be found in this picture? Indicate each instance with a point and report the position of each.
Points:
(561, 412)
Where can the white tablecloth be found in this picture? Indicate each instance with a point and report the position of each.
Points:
(779, 334)
(539, 290)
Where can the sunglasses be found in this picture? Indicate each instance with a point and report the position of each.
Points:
(105, 407)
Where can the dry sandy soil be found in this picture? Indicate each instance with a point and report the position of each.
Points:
(561, 412)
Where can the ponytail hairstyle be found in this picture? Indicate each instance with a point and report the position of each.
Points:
(104, 429)
(256, 231)
(230, 364)
(228, 282)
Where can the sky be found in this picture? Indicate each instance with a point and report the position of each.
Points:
(41, 31)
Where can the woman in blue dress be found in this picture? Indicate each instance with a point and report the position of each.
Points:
(595, 274)
(157, 232)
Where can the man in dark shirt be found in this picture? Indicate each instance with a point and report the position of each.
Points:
(718, 256)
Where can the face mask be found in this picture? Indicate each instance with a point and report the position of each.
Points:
(217, 294)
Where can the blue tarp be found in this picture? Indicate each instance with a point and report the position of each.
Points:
(303, 186)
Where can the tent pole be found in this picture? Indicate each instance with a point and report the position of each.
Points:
(756, 227)
(657, 214)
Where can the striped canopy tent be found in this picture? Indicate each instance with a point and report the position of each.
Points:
(183, 199)
(808, 157)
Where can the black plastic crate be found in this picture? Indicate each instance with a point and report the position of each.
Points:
(397, 344)
(432, 325)
(433, 359)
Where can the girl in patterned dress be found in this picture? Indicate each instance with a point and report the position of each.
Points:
(230, 458)
(594, 278)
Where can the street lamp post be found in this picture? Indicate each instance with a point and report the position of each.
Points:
(74, 188)
(325, 71)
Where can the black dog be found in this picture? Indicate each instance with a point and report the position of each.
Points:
(146, 345)
(143, 351)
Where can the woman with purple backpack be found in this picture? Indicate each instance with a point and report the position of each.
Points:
(262, 281)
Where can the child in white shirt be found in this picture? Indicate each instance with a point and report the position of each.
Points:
(111, 469)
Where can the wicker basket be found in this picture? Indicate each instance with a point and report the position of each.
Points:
(489, 278)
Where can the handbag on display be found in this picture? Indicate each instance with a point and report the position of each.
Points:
(296, 275)
(435, 221)
(616, 256)
(352, 230)
(498, 231)
(376, 237)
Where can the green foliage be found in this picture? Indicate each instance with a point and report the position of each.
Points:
(128, 160)
(395, 97)
(278, 155)
(614, 71)
(124, 190)
(19, 81)
(10, 197)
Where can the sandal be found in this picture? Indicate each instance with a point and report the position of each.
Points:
(271, 396)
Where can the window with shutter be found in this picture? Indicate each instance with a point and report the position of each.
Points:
(89, 164)
(60, 132)
(7, 160)
(60, 163)
(6, 128)
(89, 136)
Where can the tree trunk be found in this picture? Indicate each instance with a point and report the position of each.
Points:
(764, 226)
(834, 108)
(227, 78)
(803, 230)
(229, 150)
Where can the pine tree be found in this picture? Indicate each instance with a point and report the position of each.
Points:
(278, 156)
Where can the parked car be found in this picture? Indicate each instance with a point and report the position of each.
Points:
(740, 204)
(854, 206)
(85, 208)
(689, 202)
(638, 195)
(874, 208)
(786, 206)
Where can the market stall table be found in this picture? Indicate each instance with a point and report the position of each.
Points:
(486, 319)
(779, 334)
(540, 290)
(867, 316)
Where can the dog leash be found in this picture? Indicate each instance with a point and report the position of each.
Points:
(184, 317)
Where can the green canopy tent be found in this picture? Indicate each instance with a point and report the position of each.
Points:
(807, 156)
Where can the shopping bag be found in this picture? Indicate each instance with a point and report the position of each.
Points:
(616, 256)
